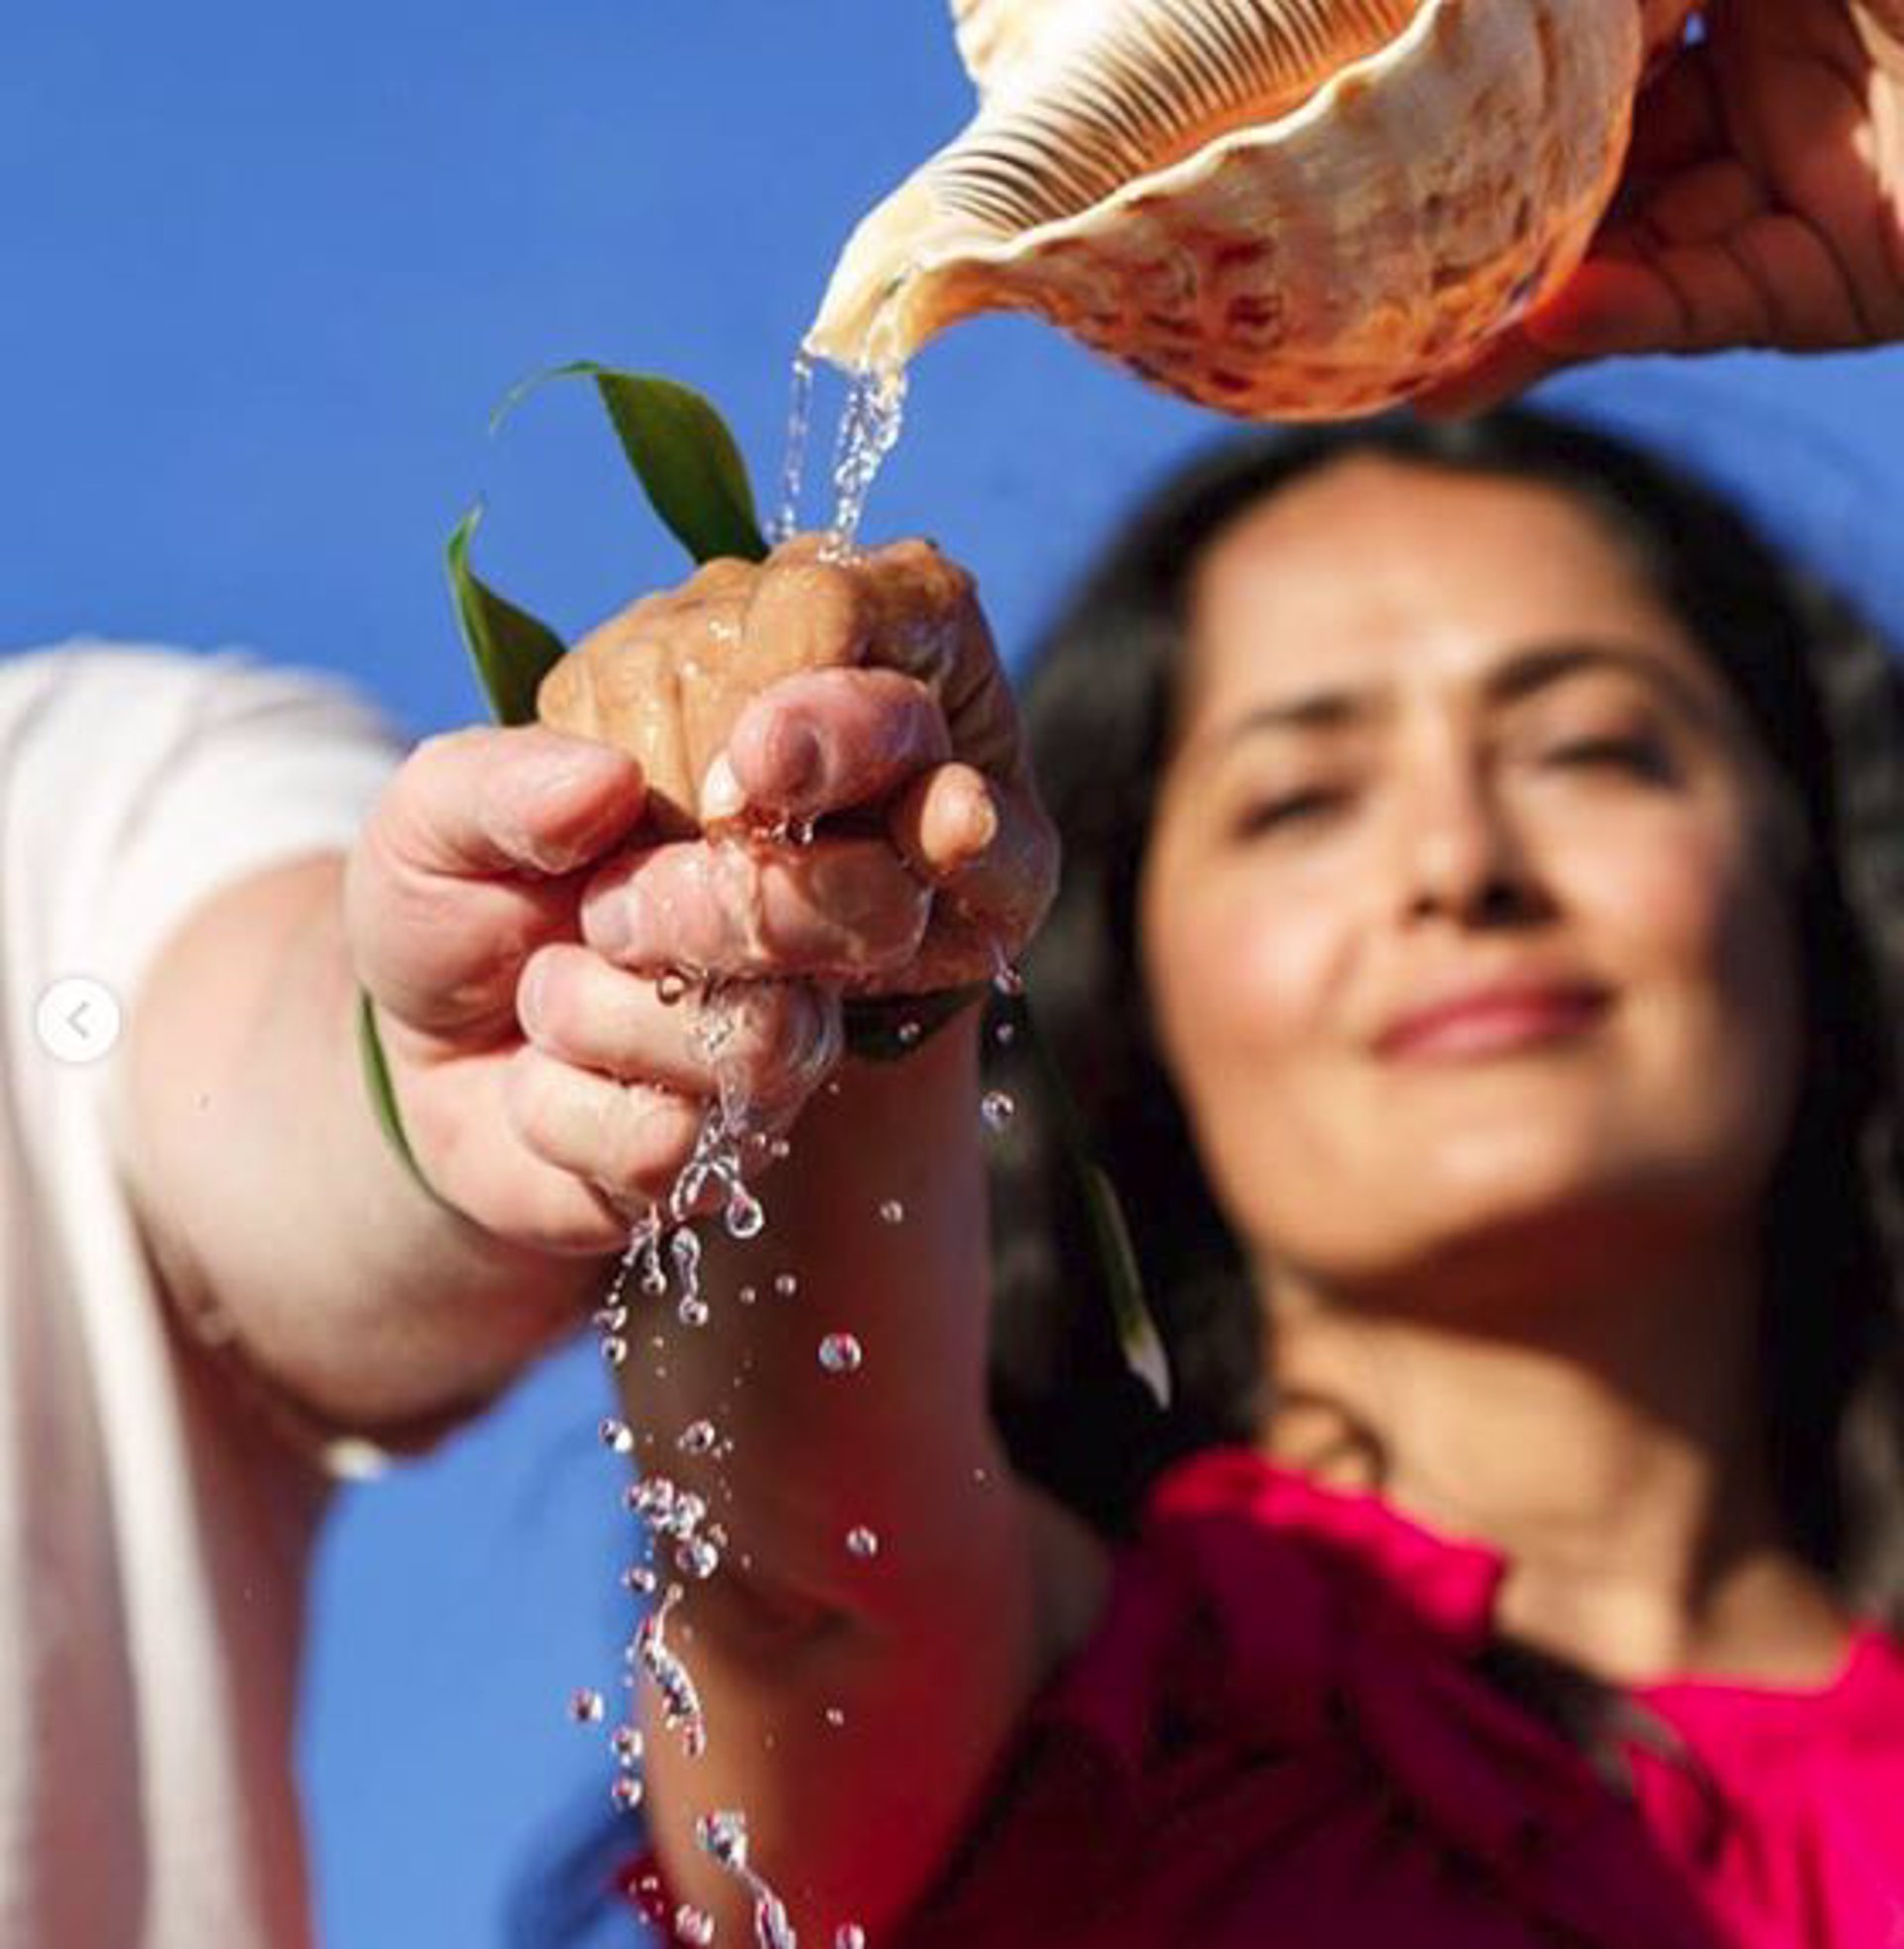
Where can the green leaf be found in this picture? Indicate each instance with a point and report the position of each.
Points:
(1137, 1335)
(510, 650)
(688, 463)
(382, 1095)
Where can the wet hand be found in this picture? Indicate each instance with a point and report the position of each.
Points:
(869, 821)
(461, 895)
(1762, 203)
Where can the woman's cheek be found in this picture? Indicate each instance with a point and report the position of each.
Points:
(1249, 978)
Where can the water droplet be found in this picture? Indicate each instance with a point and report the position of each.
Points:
(639, 1578)
(692, 1926)
(625, 1742)
(609, 1319)
(745, 1218)
(747, 1295)
(697, 1558)
(909, 1034)
(997, 1109)
(788, 1285)
(779, 1149)
(862, 1542)
(692, 1312)
(1009, 981)
(614, 1348)
(653, 1496)
(1005, 1033)
(625, 1790)
(840, 1353)
(834, 1716)
(586, 1707)
(617, 1435)
(682, 1516)
(849, 1936)
(670, 987)
(892, 1212)
(697, 1438)
(723, 1834)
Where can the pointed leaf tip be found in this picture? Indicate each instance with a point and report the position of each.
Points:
(510, 649)
(682, 451)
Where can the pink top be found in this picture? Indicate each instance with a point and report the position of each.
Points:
(1274, 1735)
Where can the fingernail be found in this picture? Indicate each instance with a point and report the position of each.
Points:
(721, 793)
(980, 822)
(797, 760)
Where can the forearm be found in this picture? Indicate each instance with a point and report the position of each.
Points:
(854, 1702)
(259, 1170)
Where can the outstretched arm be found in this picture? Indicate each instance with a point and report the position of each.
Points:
(271, 1205)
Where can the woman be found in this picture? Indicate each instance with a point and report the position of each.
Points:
(1475, 965)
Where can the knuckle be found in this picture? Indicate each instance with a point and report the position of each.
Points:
(648, 1137)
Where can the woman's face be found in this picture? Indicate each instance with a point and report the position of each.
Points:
(1463, 916)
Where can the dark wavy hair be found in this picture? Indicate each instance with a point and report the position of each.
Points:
(1822, 693)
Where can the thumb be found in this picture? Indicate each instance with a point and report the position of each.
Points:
(453, 883)
(524, 800)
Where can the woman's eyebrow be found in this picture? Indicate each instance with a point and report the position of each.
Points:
(1519, 675)
(1547, 664)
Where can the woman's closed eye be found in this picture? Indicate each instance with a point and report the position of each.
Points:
(1285, 810)
(1635, 753)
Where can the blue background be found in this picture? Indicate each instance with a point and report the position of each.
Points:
(266, 273)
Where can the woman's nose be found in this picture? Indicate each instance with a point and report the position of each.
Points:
(1460, 857)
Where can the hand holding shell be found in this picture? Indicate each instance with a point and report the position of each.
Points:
(1290, 209)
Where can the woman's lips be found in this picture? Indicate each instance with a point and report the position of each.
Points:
(1492, 1022)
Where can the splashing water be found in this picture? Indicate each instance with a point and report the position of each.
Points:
(849, 1936)
(892, 1212)
(680, 1699)
(723, 1836)
(862, 1542)
(800, 428)
(869, 430)
(692, 1926)
(586, 1707)
(997, 1109)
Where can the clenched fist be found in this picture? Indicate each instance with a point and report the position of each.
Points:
(798, 782)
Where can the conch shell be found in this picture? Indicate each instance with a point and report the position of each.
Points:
(1282, 208)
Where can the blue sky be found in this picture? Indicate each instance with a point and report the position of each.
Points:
(267, 272)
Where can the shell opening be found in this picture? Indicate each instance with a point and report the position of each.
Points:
(1170, 77)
